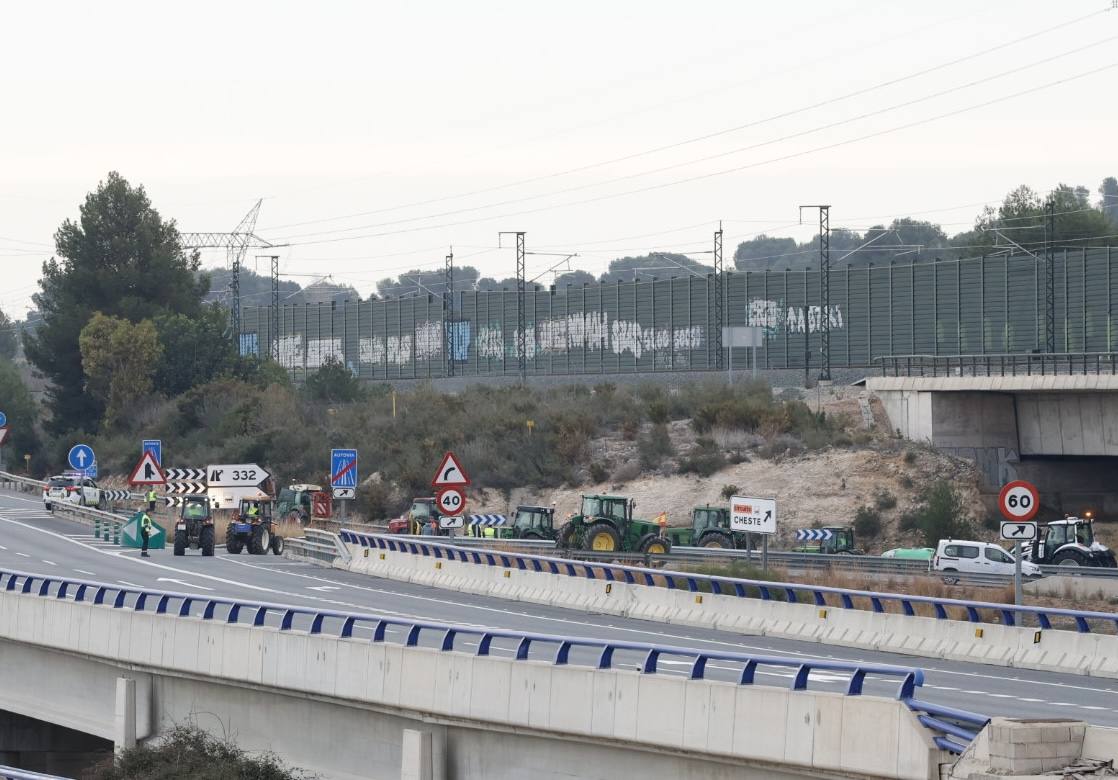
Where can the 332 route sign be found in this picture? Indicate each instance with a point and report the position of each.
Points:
(1019, 501)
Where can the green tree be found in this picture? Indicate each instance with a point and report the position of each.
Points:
(765, 252)
(333, 383)
(119, 360)
(942, 515)
(120, 258)
(7, 337)
(194, 350)
(18, 404)
(663, 265)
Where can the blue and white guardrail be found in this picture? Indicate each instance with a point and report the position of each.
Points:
(952, 729)
(821, 596)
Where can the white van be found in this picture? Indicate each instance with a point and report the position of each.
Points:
(958, 555)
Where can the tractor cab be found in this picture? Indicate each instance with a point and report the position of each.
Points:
(254, 511)
(197, 509)
(1069, 542)
(616, 509)
(534, 522)
(709, 518)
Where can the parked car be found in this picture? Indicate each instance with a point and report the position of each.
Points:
(73, 489)
(958, 555)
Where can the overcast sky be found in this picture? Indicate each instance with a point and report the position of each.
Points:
(425, 120)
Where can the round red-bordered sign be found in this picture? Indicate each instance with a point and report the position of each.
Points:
(450, 501)
(1019, 501)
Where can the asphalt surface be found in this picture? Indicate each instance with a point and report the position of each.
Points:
(34, 541)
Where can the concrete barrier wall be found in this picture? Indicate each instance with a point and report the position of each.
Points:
(1064, 651)
(258, 684)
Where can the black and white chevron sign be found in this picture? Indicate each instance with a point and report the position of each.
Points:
(488, 521)
(174, 500)
(185, 488)
(185, 475)
(117, 495)
(813, 534)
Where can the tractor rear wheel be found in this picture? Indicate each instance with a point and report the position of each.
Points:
(180, 542)
(653, 544)
(233, 543)
(602, 537)
(717, 540)
(206, 540)
(1068, 558)
(260, 541)
(565, 538)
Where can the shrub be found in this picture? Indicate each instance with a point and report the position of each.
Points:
(909, 457)
(883, 499)
(333, 383)
(627, 472)
(705, 459)
(599, 472)
(729, 491)
(655, 446)
(189, 753)
(658, 412)
(867, 522)
(942, 515)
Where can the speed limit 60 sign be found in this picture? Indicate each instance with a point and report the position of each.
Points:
(1019, 501)
(450, 501)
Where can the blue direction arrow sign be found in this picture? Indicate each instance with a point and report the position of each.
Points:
(3, 419)
(343, 468)
(81, 458)
(155, 447)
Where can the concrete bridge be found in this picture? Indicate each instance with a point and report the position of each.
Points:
(1016, 419)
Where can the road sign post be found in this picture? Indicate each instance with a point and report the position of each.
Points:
(1019, 501)
(343, 476)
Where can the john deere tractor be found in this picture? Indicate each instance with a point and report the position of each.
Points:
(710, 527)
(606, 524)
(531, 522)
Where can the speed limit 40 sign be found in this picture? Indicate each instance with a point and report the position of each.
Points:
(1019, 501)
(450, 501)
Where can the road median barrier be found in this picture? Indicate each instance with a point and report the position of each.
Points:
(1041, 638)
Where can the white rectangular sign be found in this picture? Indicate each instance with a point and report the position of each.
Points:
(230, 498)
(235, 475)
(1015, 531)
(743, 336)
(345, 492)
(755, 515)
(451, 522)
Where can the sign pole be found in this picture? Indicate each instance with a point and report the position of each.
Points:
(1017, 572)
(765, 552)
(730, 365)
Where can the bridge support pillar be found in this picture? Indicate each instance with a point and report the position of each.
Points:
(124, 729)
(423, 755)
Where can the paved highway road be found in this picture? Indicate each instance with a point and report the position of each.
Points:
(32, 540)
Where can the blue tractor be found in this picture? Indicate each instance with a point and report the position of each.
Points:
(252, 527)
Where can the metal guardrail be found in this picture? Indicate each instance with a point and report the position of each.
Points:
(975, 611)
(559, 650)
(11, 773)
(864, 564)
(1001, 364)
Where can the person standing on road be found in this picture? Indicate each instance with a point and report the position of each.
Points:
(152, 497)
(145, 533)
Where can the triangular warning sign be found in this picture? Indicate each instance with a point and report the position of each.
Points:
(147, 471)
(450, 473)
(3, 434)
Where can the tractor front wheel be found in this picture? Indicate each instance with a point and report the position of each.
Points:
(260, 541)
(565, 539)
(206, 540)
(233, 543)
(277, 544)
(602, 537)
(652, 544)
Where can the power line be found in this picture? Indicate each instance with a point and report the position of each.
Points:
(687, 141)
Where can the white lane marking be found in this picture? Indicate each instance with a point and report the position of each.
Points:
(49, 563)
(83, 571)
(323, 587)
(23, 555)
(129, 584)
(2, 547)
(184, 584)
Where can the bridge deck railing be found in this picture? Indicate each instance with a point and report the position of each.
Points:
(792, 592)
(1000, 364)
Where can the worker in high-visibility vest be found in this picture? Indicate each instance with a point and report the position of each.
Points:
(152, 497)
(662, 521)
(146, 530)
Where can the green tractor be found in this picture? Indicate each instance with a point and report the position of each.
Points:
(606, 524)
(831, 540)
(531, 522)
(710, 527)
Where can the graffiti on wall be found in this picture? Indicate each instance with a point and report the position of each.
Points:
(774, 317)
